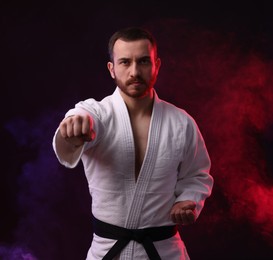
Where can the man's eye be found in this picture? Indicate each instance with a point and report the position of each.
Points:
(124, 62)
(146, 61)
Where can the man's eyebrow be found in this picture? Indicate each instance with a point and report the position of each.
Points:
(123, 59)
(147, 57)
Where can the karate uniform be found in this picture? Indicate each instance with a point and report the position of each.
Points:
(175, 168)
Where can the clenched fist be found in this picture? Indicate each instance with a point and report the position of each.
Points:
(184, 212)
(77, 129)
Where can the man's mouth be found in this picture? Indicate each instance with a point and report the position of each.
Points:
(135, 82)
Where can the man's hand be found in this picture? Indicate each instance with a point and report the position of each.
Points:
(184, 212)
(77, 129)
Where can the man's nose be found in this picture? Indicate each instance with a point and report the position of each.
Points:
(134, 70)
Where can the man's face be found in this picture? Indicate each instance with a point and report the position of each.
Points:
(134, 67)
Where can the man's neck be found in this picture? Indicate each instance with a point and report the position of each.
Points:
(139, 106)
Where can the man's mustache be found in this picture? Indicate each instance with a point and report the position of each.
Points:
(135, 80)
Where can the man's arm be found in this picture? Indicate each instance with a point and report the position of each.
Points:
(71, 135)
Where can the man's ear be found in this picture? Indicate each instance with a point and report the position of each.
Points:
(157, 65)
(110, 67)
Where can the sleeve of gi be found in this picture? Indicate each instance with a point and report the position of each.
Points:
(91, 108)
(194, 180)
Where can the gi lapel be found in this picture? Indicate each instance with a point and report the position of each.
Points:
(147, 168)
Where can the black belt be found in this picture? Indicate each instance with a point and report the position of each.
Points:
(145, 236)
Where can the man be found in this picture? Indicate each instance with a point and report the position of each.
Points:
(145, 160)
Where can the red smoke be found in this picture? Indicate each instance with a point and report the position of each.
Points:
(228, 89)
(242, 112)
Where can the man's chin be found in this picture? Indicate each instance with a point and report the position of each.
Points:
(136, 91)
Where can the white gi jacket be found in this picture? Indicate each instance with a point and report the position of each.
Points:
(175, 168)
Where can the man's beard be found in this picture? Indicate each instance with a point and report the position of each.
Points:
(135, 92)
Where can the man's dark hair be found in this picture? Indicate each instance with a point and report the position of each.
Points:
(131, 34)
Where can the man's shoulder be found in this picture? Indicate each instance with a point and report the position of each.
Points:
(171, 107)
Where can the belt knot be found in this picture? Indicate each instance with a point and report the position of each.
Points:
(138, 235)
